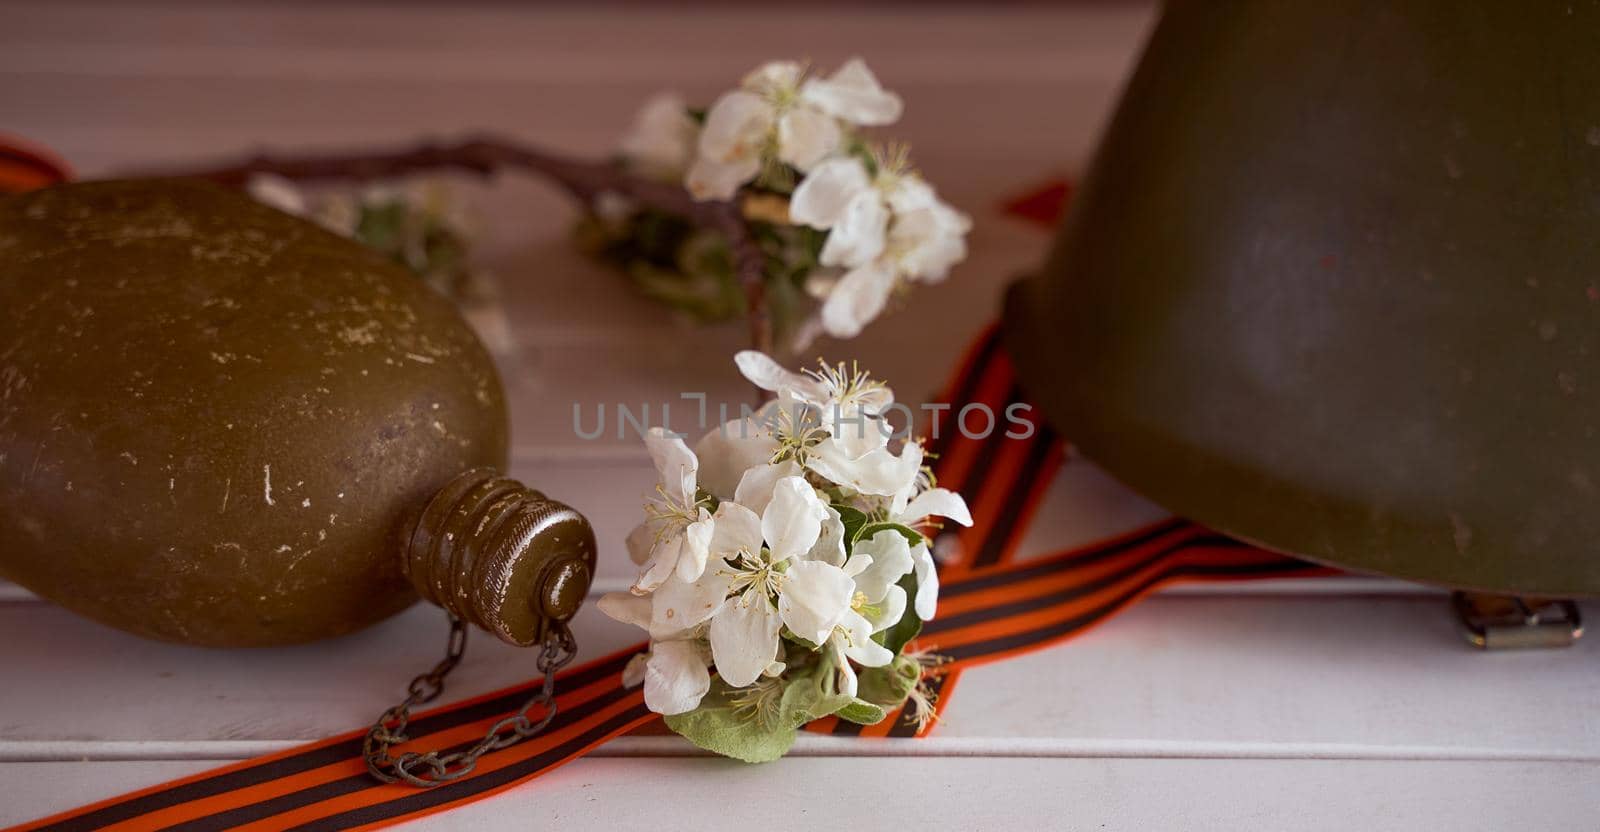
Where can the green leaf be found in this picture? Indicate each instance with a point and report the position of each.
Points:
(853, 519)
(382, 226)
(888, 686)
(862, 713)
(811, 242)
(715, 727)
(702, 297)
(806, 645)
(895, 637)
(859, 149)
(868, 531)
(814, 695)
(658, 237)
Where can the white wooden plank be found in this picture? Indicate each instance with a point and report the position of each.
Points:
(1319, 672)
(106, 83)
(1010, 793)
(1252, 676)
(573, 45)
(1062, 794)
(85, 682)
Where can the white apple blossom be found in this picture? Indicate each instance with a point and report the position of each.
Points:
(775, 433)
(337, 212)
(675, 537)
(815, 553)
(876, 604)
(912, 507)
(778, 114)
(278, 192)
(853, 95)
(789, 146)
(661, 141)
(913, 513)
(761, 580)
(884, 228)
(728, 450)
(774, 585)
(831, 420)
(857, 394)
(927, 573)
(888, 555)
(414, 222)
(830, 545)
(831, 387)
(877, 470)
(675, 671)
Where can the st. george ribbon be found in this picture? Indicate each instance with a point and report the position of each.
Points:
(991, 606)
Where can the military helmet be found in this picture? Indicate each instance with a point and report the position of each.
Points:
(1332, 285)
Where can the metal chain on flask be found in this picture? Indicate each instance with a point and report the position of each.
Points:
(426, 769)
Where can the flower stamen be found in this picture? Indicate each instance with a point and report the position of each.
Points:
(893, 162)
(848, 389)
(754, 577)
(923, 700)
(797, 431)
(671, 517)
(759, 702)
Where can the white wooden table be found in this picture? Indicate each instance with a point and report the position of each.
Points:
(1333, 704)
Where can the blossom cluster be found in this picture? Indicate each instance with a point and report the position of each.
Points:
(784, 564)
(796, 137)
(416, 223)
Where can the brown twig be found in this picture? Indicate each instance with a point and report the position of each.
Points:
(485, 155)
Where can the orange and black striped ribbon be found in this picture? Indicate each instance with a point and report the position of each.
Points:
(990, 607)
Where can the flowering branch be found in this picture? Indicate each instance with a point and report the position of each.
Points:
(486, 155)
(786, 566)
(773, 201)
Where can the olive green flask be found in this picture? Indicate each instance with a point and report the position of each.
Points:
(223, 425)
